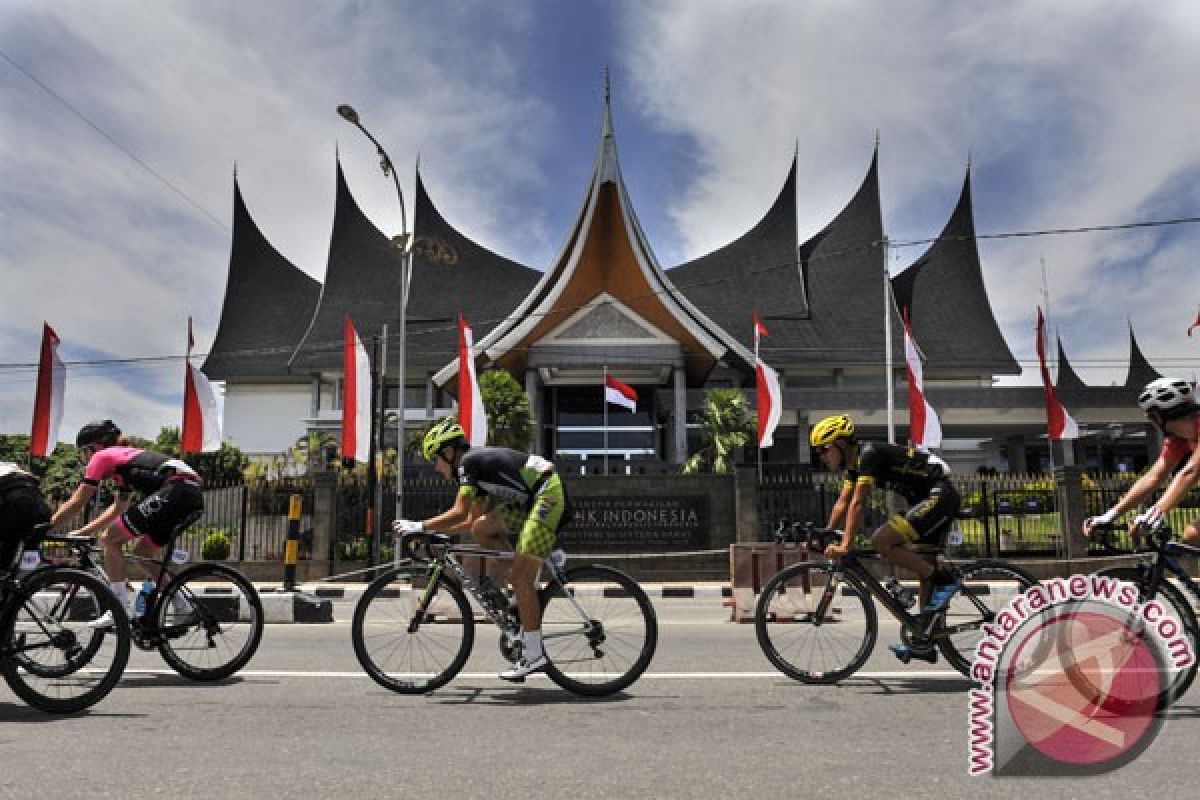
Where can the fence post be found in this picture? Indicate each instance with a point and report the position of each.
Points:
(990, 523)
(745, 488)
(242, 529)
(292, 549)
(1069, 481)
(324, 515)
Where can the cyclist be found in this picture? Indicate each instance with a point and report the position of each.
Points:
(21, 508)
(500, 490)
(171, 490)
(1172, 405)
(915, 474)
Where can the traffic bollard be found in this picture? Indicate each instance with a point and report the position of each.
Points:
(291, 550)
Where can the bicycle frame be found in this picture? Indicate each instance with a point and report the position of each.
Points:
(1161, 561)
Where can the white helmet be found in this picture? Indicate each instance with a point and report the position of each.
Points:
(1171, 397)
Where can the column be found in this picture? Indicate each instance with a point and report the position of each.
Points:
(533, 392)
(679, 381)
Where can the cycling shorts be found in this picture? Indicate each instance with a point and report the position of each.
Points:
(537, 525)
(160, 512)
(931, 519)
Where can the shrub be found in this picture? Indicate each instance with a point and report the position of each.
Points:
(216, 545)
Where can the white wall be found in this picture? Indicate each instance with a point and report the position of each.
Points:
(266, 418)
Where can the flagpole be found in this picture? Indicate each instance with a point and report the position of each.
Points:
(887, 344)
(604, 397)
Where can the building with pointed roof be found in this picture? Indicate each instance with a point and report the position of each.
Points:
(606, 305)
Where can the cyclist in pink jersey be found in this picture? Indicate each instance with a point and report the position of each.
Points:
(170, 489)
(1172, 405)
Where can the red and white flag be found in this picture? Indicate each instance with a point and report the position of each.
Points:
(356, 396)
(619, 394)
(768, 394)
(471, 415)
(48, 399)
(201, 432)
(1059, 423)
(924, 428)
(1195, 324)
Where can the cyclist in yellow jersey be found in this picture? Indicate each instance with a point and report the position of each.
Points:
(919, 477)
(500, 490)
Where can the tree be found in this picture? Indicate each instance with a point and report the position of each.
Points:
(221, 466)
(725, 426)
(510, 423)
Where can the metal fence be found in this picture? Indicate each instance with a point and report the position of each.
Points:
(253, 516)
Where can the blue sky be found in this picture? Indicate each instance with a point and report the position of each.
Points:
(1072, 113)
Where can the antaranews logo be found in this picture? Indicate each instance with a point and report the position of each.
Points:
(1070, 677)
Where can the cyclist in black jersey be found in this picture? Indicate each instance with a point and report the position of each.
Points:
(500, 491)
(918, 476)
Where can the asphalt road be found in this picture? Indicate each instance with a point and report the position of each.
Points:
(710, 719)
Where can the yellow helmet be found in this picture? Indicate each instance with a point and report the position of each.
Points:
(442, 434)
(830, 429)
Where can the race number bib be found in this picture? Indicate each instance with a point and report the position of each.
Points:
(30, 559)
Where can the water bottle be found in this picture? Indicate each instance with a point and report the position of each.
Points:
(139, 605)
(905, 597)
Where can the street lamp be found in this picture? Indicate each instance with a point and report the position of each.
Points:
(401, 243)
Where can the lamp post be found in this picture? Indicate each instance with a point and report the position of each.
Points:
(401, 242)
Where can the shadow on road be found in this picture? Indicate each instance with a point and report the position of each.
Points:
(19, 713)
(520, 696)
(159, 681)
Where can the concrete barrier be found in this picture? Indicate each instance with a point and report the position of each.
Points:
(751, 565)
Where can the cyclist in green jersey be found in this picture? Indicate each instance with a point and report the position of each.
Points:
(500, 491)
(915, 474)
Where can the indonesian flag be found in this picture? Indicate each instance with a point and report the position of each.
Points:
(471, 415)
(619, 394)
(770, 398)
(924, 428)
(356, 396)
(201, 431)
(1195, 324)
(1059, 424)
(48, 399)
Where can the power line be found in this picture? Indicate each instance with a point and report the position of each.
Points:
(161, 178)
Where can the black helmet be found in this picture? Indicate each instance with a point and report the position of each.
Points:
(103, 432)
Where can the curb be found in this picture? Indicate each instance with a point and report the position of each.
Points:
(662, 591)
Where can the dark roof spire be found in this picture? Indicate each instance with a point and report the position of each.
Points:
(1140, 370)
(1069, 384)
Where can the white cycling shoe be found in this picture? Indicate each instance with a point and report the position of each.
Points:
(519, 670)
(103, 622)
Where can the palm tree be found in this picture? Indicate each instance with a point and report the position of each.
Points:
(725, 426)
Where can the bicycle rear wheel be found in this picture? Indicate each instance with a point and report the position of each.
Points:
(49, 653)
(987, 587)
(600, 633)
(210, 619)
(810, 629)
(411, 638)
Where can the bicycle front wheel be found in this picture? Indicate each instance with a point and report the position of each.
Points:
(1179, 680)
(987, 587)
(810, 628)
(56, 651)
(599, 633)
(211, 622)
(412, 637)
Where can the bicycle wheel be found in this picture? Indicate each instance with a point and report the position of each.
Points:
(814, 647)
(599, 633)
(988, 586)
(1179, 680)
(74, 665)
(401, 652)
(210, 619)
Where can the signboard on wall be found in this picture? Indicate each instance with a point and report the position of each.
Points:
(646, 523)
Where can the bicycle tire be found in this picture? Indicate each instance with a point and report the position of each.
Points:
(211, 634)
(613, 647)
(788, 632)
(400, 660)
(1182, 680)
(25, 624)
(67, 604)
(964, 611)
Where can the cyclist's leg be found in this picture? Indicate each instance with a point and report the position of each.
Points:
(490, 530)
(537, 539)
(113, 542)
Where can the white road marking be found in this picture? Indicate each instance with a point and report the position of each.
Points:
(283, 673)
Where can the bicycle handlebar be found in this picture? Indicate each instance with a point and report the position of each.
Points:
(814, 538)
(410, 542)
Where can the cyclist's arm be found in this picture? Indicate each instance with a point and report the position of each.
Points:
(459, 517)
(74, 504)
(1144, 485)
(858, 505)
(840, 506)
(1184, 480)
(108, 517)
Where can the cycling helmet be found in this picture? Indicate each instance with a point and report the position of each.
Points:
(103, 432)
(443, 433)
(830, 429)
(1170, 397)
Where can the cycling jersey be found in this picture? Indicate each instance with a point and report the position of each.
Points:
(133, 468)
(920, 477)
(21, 508)
(525, 490)
(1178, 449)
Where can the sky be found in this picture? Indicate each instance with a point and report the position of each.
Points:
(121, 125)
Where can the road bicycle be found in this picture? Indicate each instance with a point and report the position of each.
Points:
(816, 620)
(1153, 583)
(205, 620)
(414, 628)
(51, 653)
